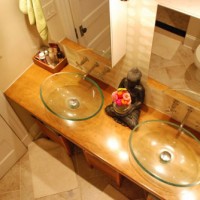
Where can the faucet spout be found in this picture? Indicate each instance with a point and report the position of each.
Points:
(90, 70)
(183, 121)
(186, 116)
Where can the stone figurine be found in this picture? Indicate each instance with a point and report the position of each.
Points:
(137, 93)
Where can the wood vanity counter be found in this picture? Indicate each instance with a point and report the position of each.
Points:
(101, 136)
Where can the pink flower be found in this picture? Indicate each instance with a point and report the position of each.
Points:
(114, 96)
(126, 96)
(121, 97)
(119, 102)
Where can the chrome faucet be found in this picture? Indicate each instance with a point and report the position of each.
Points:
(91, 69)
(190, 109)
(172, 108)
(83, 61)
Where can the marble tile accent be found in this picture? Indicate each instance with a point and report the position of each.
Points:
(164, 46)
(11, 181)
(92, 183)
(26, 186)
(49, 175)
(173, 72)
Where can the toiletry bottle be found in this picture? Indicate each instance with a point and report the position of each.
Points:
(42, 57)
(53, 56)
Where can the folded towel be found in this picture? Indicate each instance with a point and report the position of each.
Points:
(23, 6)
(35, 14)
(40, 20)
(31, 15)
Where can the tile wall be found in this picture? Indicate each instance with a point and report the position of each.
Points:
(140, 30)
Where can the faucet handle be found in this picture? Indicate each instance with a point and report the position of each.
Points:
(83, 61)
(105, 70)
(172, 108)
(96, 64)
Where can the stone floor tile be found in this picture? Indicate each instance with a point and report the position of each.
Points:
(11, 180)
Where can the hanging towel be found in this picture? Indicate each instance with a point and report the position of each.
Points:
(35, 15)
(31, 15)
(23, 6)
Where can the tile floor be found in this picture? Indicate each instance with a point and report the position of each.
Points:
(17, 183)
(178, 73)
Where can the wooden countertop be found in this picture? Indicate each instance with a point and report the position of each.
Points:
(100, 135)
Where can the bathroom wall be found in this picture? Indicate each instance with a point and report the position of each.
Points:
(141, 20)
(140, 30)
(20, 41)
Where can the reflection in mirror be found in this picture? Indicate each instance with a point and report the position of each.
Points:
(175, 58)
(100, 26)
(92, 24)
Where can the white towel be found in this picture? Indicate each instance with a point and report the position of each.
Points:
(31, 15)
(35, 14)
(23, 6)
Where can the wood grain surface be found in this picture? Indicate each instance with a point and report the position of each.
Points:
(100, 136)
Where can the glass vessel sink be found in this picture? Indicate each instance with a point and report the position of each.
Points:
(71, 96)
(167, 152)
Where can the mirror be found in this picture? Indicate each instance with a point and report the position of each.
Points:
(92, 24)
(174, 55)
(99, 25)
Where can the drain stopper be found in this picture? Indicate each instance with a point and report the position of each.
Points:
(73, 103)
(165, 156)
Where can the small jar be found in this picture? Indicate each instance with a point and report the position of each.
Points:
(123, 109)
(42, 57)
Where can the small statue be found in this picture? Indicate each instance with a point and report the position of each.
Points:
(137, 92)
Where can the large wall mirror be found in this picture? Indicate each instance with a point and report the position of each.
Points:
(175, 58)
(99, 24)
(92, 25)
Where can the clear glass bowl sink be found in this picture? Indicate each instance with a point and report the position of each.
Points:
(167, 153)
(71, 96)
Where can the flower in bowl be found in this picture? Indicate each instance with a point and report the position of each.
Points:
(121, 97)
